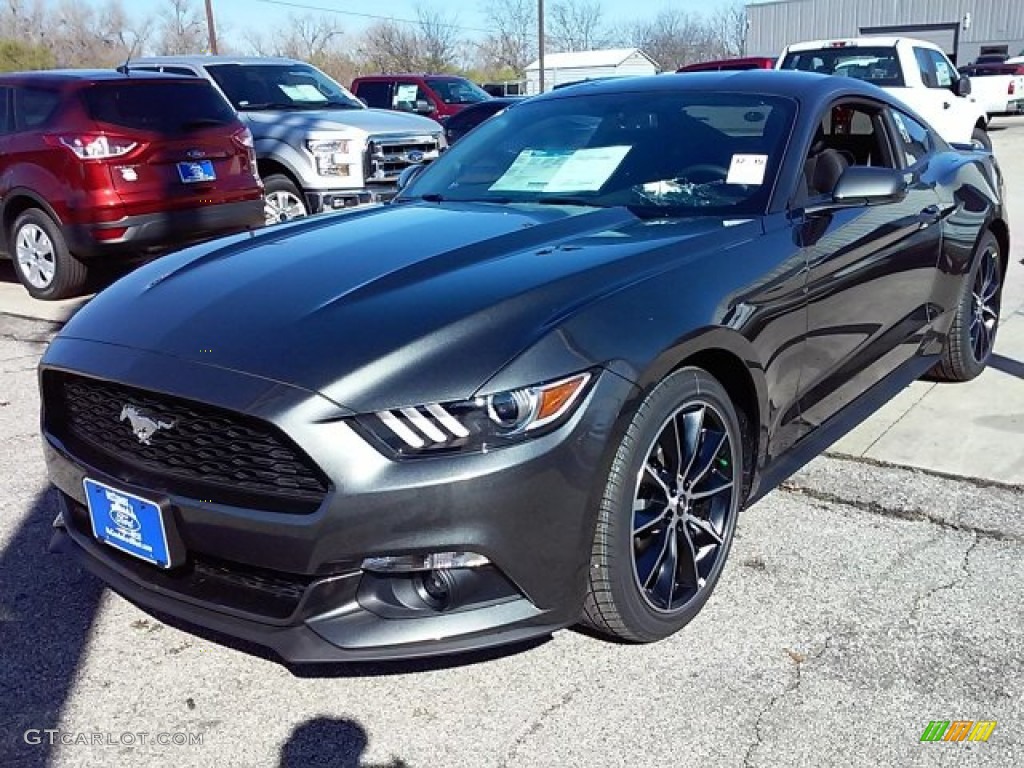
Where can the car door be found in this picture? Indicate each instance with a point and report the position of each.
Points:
(871, 267)
(951, 115)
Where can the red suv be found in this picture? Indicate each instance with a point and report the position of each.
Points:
(100, 165)
(435, 96)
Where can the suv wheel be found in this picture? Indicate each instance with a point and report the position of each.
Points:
(41, 258)
(282, 200)
(669, 511)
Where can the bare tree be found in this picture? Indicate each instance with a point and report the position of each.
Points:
(432, 44)
(730, 28)
(182, 29)
(513, 44)
(674, 38)
(577, 25)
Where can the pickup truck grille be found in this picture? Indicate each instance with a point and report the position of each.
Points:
(388, 156)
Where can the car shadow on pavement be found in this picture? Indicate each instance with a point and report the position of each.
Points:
(47, 608)
(1007, 365)
(334, 742)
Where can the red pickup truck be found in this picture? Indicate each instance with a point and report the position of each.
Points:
(435, 96)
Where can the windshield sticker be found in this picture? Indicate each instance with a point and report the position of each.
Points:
(568, 170)
(303, 92)
(747, 169)
(406, 93)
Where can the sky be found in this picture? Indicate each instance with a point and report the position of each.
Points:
(234, 17)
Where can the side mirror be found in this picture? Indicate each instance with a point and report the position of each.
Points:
(868, 185)
(408, 174)
(962, 87)
(424, 107)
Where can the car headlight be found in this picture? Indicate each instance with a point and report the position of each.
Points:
(481, 424)
(331, 156)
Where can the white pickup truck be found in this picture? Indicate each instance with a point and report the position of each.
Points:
(914, 71)
(999, 88)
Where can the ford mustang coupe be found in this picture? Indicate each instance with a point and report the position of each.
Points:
(535, 389)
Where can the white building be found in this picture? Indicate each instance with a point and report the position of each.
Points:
(561, 68)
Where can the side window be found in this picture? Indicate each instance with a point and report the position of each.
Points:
(179, 71)
(914, 139)
(33, 106)
(849, 134)
(375, 93)
(945, 73)
(926, 64)
(5, 110)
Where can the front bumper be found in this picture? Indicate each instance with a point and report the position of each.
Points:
(137, 235)
(322, 201)
(292, 582)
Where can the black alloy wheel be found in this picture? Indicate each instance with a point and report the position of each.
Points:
(669, 510)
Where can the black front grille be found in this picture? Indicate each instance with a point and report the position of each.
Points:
(181, 446)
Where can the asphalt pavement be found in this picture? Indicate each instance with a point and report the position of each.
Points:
(876, 591)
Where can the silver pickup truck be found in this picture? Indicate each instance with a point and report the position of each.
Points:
(318, 147)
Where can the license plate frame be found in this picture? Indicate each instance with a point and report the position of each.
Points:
(128, 523)
(197, 171)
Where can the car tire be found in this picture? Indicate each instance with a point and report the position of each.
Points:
(981, 138)
(972, 334)
(42, 261)
(282, 200)
(634, 595)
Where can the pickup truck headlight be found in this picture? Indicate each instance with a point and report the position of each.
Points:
(481, 424)
(331, 156)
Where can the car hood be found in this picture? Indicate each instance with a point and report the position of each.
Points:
(368, 120)
(388, 306)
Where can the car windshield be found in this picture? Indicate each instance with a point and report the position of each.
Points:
(280, 86)
(455, 90)
(658, 153)
(878, 65)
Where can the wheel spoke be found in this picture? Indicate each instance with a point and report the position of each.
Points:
(707, 527)
(690, 555)
(707, 460)
(659, 558)
(654, 474)
(666, 582)
(711, 492)
(693, 427)
(647, 515)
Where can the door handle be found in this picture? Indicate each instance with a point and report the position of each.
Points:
(946, 105)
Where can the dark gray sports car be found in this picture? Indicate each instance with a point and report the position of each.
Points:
(538, 387)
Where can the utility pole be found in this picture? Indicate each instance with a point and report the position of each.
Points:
(540, 41)
(211, 27)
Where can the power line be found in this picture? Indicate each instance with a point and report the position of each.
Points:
(338, 11)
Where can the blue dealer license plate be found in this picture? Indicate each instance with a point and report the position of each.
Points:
(201, 170)
(127, 522)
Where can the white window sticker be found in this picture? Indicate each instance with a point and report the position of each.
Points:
(302, 92)
(747, 169)
(406, 93)
(579, 170)
(901, 126)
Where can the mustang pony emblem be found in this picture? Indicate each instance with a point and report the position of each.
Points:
(143, 426)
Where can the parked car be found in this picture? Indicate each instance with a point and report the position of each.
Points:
(436, 96)
(536, 388)
(96, 168)
(999, 88)
(915, 71)
(731, 65)
(317, 146)
(992, 58)
(459, 125)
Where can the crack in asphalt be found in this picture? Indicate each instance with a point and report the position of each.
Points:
(798, 659)
(537, 724)
(960, 578)
(898, 513)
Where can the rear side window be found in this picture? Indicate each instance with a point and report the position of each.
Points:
(5, 110)
(375, 93)
(166, 107)
(914, 139)
(33, 106)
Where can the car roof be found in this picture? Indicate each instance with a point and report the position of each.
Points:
(859, 42)
(411, 75)
(800, 86)
(85, 76)
(201, 60)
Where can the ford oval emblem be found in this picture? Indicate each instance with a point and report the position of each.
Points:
(415, 156)
(124, 517)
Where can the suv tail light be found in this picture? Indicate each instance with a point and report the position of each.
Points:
(1011, 88)
(244, 139)
(91, 146)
